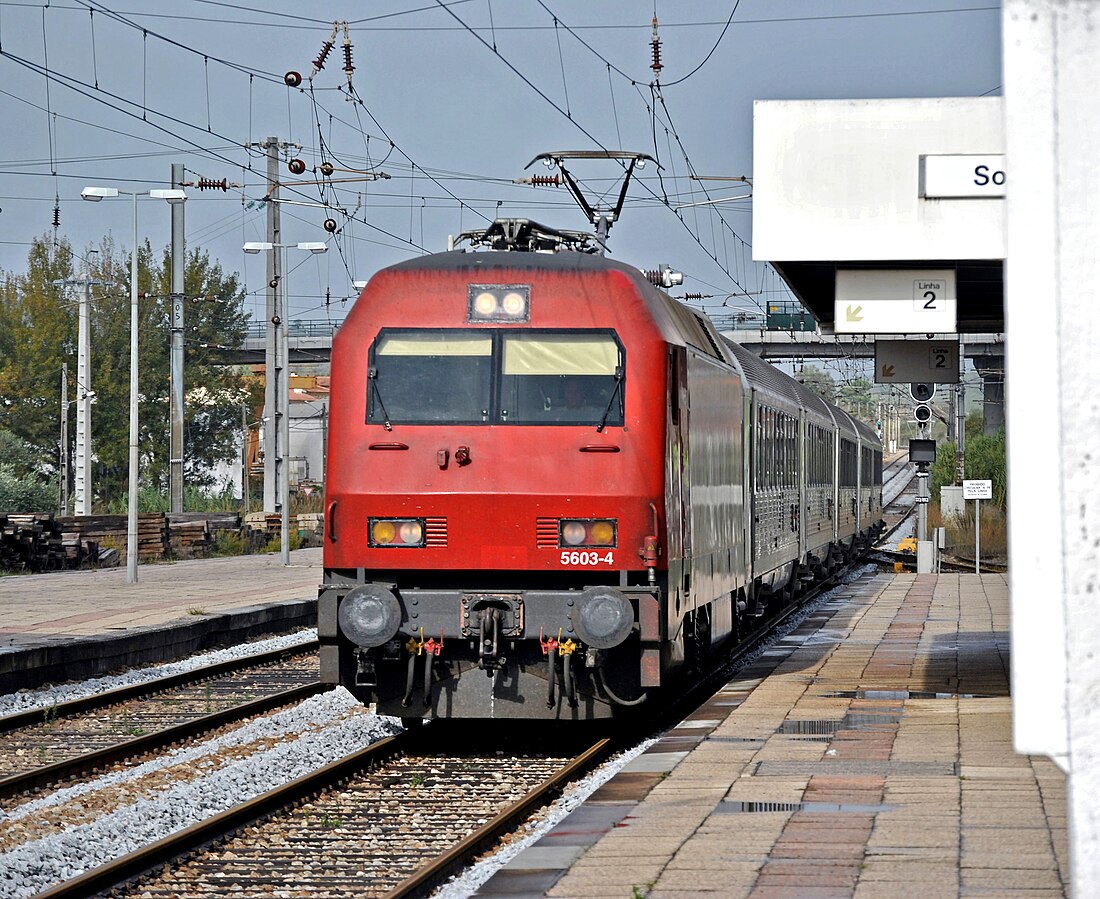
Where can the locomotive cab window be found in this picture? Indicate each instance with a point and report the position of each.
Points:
(573, 378)
(496, 377)
(427, 377)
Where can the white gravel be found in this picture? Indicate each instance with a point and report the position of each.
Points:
(469, 881)
(46, 697)
(320, 730)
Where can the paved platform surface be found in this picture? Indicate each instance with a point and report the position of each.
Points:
(75, 624)
(868, 755)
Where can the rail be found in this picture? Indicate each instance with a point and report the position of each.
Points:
(134, 691)
(80, 765)
(257, 329)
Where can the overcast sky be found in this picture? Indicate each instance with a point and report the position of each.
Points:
(451, 102)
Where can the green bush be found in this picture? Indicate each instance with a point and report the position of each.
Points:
(229, 543)
(26, 493)
(985, 460)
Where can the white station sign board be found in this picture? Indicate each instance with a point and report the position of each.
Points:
(962, 177)
(977, 490)
(909, 361)
(895, 301)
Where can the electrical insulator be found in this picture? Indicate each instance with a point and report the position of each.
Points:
(211, 184)
(694, 296)
(327, 169)
(656, 44)
(296, 166)
(326, 49)
(330, 226)
(292, 79)
(57, 216)
(546, 180)
(348, 67)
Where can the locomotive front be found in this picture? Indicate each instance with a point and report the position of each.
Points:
(494, 490)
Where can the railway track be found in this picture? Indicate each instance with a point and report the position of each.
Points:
(74, 739)
(394, 818)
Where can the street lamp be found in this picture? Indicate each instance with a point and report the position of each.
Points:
(95, 194)
(280, 393)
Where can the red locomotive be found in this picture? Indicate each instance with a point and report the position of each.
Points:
(550, 485)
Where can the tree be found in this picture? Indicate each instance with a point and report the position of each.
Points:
(23, 486)
(38, 332)
(819, 381)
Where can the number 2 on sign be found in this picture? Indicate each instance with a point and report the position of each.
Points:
(927, 294)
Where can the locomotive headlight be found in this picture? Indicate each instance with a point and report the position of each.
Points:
(604, 617)
(498, 303)
(396, 531)
(485, 304)
(369, 615)
(572, 533)
(514, 304)
(587, 532)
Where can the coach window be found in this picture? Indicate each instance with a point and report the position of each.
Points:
(430, 376)
(562, 378)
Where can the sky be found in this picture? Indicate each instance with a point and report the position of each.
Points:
(449, 100)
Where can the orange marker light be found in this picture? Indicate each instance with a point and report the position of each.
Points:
(383, 532)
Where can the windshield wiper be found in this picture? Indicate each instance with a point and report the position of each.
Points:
(617, 392)
(372, 377)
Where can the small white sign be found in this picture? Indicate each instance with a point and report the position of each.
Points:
(977, 490)
(907, 361)
(962, 177)
(894, 301)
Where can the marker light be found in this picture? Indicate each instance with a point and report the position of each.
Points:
(498, 303)
(587, 532)
(386, 532)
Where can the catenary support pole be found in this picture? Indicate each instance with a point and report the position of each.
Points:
(175, 450)
(132, 503)
(63, 446)
(272, 403)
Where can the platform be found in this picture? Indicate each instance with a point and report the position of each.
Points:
(70, 625)
(868, 754)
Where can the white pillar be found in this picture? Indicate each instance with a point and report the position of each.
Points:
(1051, 69)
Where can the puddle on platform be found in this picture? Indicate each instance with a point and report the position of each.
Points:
(901, 695)
(741, 808)
(830, 726)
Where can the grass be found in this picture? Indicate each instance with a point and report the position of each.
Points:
(960, 532)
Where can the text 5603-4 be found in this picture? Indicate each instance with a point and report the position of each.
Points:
(582, 557)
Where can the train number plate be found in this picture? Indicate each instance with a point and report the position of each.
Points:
(586, 557)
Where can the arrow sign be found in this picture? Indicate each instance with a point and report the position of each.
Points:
(888, 371)
(854, 314)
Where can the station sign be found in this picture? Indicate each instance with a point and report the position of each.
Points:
(895, 301)
(977, 490)
(916, 361)
(962, 177)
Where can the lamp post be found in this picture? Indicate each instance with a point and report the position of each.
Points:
(95, 194)
(280, 421)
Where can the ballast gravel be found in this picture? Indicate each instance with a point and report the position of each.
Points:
(322, 729)
(47, 697)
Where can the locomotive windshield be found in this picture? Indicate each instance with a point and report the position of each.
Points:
(497, 377)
